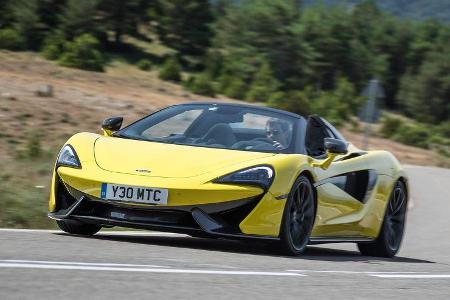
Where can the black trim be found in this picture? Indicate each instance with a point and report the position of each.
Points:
(336, 146)
(138, 225)
(344, 239)
(358, 184)
(352, 155)
(65, 213)
(252, 106)
(112, 124)
(328, 130)
(206, 222)
(210, 208)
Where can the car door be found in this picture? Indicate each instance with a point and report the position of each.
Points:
(342, 189)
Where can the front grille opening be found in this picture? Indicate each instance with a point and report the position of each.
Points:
(233, 217)
(155, 217)
(63, 198)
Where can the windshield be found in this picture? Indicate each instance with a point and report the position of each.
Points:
(217, 126)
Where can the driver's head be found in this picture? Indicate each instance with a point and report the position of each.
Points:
(278, 131)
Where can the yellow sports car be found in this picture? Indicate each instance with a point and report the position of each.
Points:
(231, 171)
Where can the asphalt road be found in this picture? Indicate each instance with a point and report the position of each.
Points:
(50, 264)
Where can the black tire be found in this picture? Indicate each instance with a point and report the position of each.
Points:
(76, 227)
(391, 233)
(298, 217)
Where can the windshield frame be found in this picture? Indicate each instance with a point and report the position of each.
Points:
(295, 145)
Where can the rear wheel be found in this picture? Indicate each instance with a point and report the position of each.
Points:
(390, 238)
(298, 217)
(76, 227)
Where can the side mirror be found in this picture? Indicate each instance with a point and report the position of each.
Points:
(335, 146)
(111, 125)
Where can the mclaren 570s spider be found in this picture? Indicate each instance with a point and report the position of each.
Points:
(231, 171)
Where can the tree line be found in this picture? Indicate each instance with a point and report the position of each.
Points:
(301, 58)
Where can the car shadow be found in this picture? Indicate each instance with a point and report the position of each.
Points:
(252, 247)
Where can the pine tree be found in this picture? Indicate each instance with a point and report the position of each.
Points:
(257, 31)
(78, 17)
(121, 17)
(184, 25)
(426, 96)
(27, 23)
(263, 85)
(5, 12)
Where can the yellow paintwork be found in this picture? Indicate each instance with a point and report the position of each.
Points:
(107, 132)
(324, 164)
(187, 172)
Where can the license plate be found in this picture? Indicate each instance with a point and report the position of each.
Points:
(137, 194)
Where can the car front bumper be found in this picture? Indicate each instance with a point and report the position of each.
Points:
(240, 211)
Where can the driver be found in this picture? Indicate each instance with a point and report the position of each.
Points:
(277, 131)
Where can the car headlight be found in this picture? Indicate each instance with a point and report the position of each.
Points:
(259, 175)
(68, 157)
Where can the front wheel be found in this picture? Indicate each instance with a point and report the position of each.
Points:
(76, 227)
(390, 238)
(298, 217)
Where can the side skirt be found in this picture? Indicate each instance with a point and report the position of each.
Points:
(344, 239)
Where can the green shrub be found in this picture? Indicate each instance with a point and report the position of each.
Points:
(10, 39)
(438, 140)
(338, 105)
(34, 147)
(444, 129)
(413, 135)
(263, 85)
(144, 64)
(200, 84)
(293, 101)
(236, 88)
(443, 151)
(331, 107)
(53, 47)
(171, 70)
(83, 53)
(389, 126)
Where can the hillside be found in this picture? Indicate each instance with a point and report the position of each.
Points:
(33, 128)
(83, 99)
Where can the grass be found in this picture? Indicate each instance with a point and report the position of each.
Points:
(24, 194)
(25, 179)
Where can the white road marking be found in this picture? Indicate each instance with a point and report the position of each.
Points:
(78, 263)
(354, 272)
(416, 276)
(28, 230)
(100, 233)
(218, 266)
(144, 270)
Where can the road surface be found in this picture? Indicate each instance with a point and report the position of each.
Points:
(136, 265)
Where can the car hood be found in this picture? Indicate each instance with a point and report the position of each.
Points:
(165, 160)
